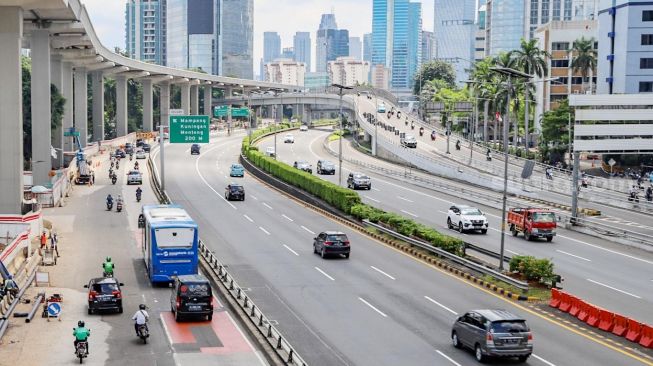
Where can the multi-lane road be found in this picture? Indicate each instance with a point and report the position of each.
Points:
(380, 307)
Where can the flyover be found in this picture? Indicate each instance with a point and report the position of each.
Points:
(65, 51)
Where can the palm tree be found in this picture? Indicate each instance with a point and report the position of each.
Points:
(584, 58)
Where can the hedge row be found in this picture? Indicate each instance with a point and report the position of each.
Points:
(531, 268)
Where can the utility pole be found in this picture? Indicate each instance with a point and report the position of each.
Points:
(342, 132)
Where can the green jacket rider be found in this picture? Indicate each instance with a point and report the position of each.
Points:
(108, 266)
(81, 334)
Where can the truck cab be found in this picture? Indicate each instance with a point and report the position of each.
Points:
(533, 222)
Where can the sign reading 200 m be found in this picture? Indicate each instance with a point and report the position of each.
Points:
(189, 129)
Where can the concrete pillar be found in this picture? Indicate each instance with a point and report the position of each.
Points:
(121, 106)
(11, 105)
(81, 109)
(185, 97)
(56, 69)
(97, 81)
(41, 111)
(67, 92)
(208, 102)
(148, 107)
(194, 100)
(165, 103)
(228, 92)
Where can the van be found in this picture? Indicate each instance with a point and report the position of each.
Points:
(191, 296)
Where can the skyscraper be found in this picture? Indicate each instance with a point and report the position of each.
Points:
(367, 47)
(145, 30)
(237, 28)
(302, 46)
(355, 48)
(504, 25)
(428, 46)
(288, 53)
(331, 42)
(271, 49)
(196, 43)
(455, 32)
(540, 12)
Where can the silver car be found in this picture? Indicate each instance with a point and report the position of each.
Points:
(493, 333)
(134, 177)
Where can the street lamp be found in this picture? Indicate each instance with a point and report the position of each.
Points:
(340, 87)
(473, 126)
(506, 122)
(527, 117)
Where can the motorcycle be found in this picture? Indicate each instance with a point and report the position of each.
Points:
(110, 172)
(119, 206)
(398, 114)
(458, 145)
(633, 197)
(114, 178)
(143, 332)
(433, 136)
(584, 183)
(117, 165)
(109, 206)
(81, 351)
(138, 197)
(412, 126)
(488, 157)
(131, 156)
(421, 132)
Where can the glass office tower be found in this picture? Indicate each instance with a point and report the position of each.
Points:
(454, 32)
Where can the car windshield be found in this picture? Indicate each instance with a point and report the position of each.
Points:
(134, 172)
(236, 166)
(337, 237)
(361, 176)
(104, 288)
(236, 188)
(509, 326)
(327, 164)
(544, 217)
(471, 212)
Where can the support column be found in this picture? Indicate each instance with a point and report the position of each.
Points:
(56, 69)
(165, 103)
(81, 109)
(121, 106)
(194, 100)
(11, 105)
(67, 92)
(97, 79)
(41, 111)
(208, 102)
(148, 107)
(185, 97)
(485, 122)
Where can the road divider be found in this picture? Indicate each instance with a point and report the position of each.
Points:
(602, 319)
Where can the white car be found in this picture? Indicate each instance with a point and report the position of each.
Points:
(303, 128)
(289, 139)
(134, 177)
(466, 218)
(140, 154)
(269, 151)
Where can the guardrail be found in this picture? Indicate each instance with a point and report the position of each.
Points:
(271, 334)
(452, 257)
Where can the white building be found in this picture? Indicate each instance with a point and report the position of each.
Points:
(625, 59)
(380, 77)
(348, 71)
(285, 71)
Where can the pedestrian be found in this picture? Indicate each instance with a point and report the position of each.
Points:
(53, 242)
(44, 241)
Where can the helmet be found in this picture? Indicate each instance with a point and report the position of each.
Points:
(108, 259)
(142, 306)
(80, 323)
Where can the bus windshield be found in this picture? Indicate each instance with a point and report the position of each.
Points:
(175, 237)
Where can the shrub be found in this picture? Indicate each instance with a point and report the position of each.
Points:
(533, 269)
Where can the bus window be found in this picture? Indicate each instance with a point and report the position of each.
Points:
(175, 238)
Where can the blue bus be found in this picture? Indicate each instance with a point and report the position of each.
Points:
(170, 242)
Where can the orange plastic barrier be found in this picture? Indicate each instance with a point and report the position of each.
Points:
(647, 336)
(634, 333)
(583, 313)
(575, 306)
(555, 298)
(606, 320)
(565, 302)
(593, 317)
(620, 325)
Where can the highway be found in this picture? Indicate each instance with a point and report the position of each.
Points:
(380, 307)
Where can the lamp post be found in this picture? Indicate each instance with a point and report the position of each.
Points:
(340, 87)
(506, 122)
(473, 126)
(527, 116)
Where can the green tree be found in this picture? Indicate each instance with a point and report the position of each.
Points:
(530, 59)
(584, 57)
(434, 70)
(555, 132)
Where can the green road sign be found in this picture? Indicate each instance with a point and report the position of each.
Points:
(189, 129)
(240, 112)
(221, 111)
(70, 134)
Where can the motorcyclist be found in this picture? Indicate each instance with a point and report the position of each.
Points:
(633, 193)
(108, 266)
(81, 334)
(412, 125)
(433, 135)
(139, 192)
(649, 193)
(141, 317)
(421, 131)
(457, 144)
(548, 173)
(136, 165)
(119, 200)
(109, 200)
(110, 172)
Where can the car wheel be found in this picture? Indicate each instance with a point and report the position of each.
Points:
(120, 310)
(513, 230)
(527, 236)
(449, 224)
(347, 255)
(323, 253)
(369, 188)
(478, 353)
(460, 227)
(210, 316)
(483, 231)
(90, 311)
(523, 358)
(549, 239)
(314, 249)
(455, 341)
(177, 317)
(243, 198)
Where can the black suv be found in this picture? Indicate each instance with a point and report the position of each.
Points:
(104, 294)
(234, 192)
(359, 181)
(325, 167)
(194, 149)
(303, 165)
(120, 153)
(331, 242)
(129, 148)
(139, 142)
(146, 147)
(191, 295)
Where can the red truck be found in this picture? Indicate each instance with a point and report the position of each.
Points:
(533, 222)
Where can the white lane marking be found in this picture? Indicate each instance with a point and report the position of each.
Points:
(246, 340)
(197, 169)
(292, 251)
(607, 250)
(254, 197)
(248, 218)
(543, 360)
(447, 358)
(372, 306)
(442, 212)
(376, 189)
(268, 206)
(307, 229)
(372, 199)
(405, 199)
(383, 273)
(325, 274)
(614, 288)
(440, 305)
(409, 213)
(165, 328)
(512, 252)
(573, 255)
(288, 218)
(263, 230)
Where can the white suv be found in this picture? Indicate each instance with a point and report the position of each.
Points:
(466, 218)
(289, 139)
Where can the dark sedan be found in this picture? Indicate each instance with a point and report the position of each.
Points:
(104, 294)
(234, 192)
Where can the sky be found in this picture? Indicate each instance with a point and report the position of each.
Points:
(283, 16)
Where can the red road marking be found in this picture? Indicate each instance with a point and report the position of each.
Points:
(178, 332)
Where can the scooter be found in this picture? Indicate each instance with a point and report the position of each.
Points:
(412, 126)
(143, 332)
(421, 131)
(138, 197)
(433, 136)
(114, 178)
(81, 351)
(488, 157)
(633, 197)
(118, 207)
(109, 206)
